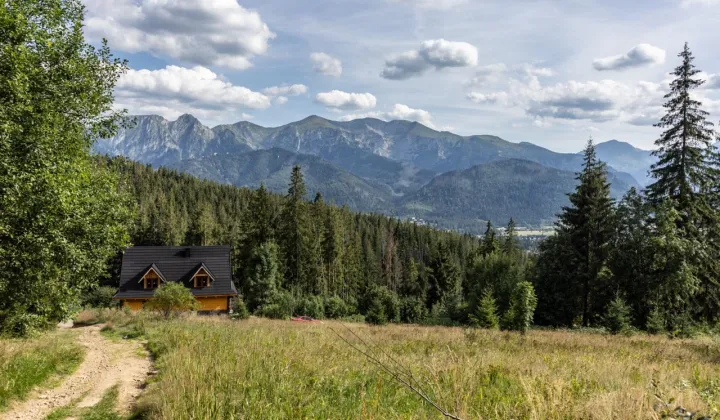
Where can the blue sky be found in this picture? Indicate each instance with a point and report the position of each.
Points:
(548, 72)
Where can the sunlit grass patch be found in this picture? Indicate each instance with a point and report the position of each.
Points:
(27, 363)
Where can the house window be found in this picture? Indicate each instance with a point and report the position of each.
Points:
(152, 280)
(201, 279)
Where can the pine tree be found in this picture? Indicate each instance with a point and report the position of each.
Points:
(685, 152)
(262, 277)
(489, 243)
(588, 222)
(485, 314)
(294, 230)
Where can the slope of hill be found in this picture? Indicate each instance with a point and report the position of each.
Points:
(272, 167)
(627, 158)
(526, 191)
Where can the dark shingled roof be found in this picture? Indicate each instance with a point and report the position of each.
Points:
(178, 264)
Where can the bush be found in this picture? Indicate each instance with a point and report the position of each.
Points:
(22, 324)
(335, 308)
(412, 310)
(522, 307)
(239, 310)
(617, 316)
(485, 314)
(172, 298)
(100, 297)
(655, 323)
(310, 306)
(382, 306)
(280, 306)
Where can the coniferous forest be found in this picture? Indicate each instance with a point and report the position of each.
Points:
(650, 261)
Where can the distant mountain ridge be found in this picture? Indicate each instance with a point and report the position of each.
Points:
(368, 164)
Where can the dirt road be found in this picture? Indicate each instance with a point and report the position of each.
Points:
(106, 363)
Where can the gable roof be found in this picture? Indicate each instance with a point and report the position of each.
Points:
(157, 271)
(176, 264)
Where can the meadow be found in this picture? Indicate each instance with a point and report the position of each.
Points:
(211, 368)
(39, 361)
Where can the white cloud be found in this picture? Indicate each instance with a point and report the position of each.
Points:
(339, 100)
(286, 90)
(431, 4)
(712, 81)
(488, 74)
(437, 53)
(638, 56)
(206, 32)
(326, 64)
(500, 98)
(280, 100)
(399, 112)
(175, 90)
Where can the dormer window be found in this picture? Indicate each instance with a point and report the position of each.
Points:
(202, 278)
(152, 278)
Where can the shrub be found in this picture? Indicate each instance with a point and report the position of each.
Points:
(335, 307)
(522, 307)
(239, 310)
(485, 314)
(99, 297)
(617, 316)
(655, 323)
(172, 298)
(280, 306)
(382, 305)
(412, 310)
(310, 306)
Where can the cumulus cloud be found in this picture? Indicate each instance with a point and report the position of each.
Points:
(490, 73)
(339, 100)
(326, 64)
(286, 90)
(639, 56)
(280, 100)
(176, 90)
(206, 32)
(501, 98)
(399, 112)
(436, 54)
(712, 81)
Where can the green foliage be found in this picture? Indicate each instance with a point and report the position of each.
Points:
(335, 307)
(61, 217)
(172, 298)
(522, 308)
(262, 275)
(279, 306)
(310, 306)
(412, 310)
(617, 316)
(382, 306)
(485, 314)
(99, 297)
(655, 322)
(239, 309)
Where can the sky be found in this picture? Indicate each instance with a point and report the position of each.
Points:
(550, 72)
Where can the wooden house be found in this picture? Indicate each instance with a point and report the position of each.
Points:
(205, 270)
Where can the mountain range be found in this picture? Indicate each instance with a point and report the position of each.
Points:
(400, 168)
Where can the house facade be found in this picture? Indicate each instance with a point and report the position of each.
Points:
(205, 270)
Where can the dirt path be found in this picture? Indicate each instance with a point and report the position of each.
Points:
(106, 363)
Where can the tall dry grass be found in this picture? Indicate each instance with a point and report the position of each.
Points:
(219, 369)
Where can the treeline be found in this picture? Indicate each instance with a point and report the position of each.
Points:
(291, 256)
(652, 260)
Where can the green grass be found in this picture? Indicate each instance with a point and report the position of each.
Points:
(27, 363)
(103, 410)
(214, 368)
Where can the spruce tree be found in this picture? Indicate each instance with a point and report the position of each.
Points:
(489, 243)
(294, 230)
(510, 241)
(588, 222)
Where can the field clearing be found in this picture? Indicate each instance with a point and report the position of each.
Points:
(218, 368)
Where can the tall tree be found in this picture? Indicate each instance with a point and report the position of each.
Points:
(510, 240)
(61, 217)
(685, 150)
(588, 222)
(489, 243)
(294, 230)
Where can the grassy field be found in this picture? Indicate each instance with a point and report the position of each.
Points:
(211, 368)
(27, 363)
